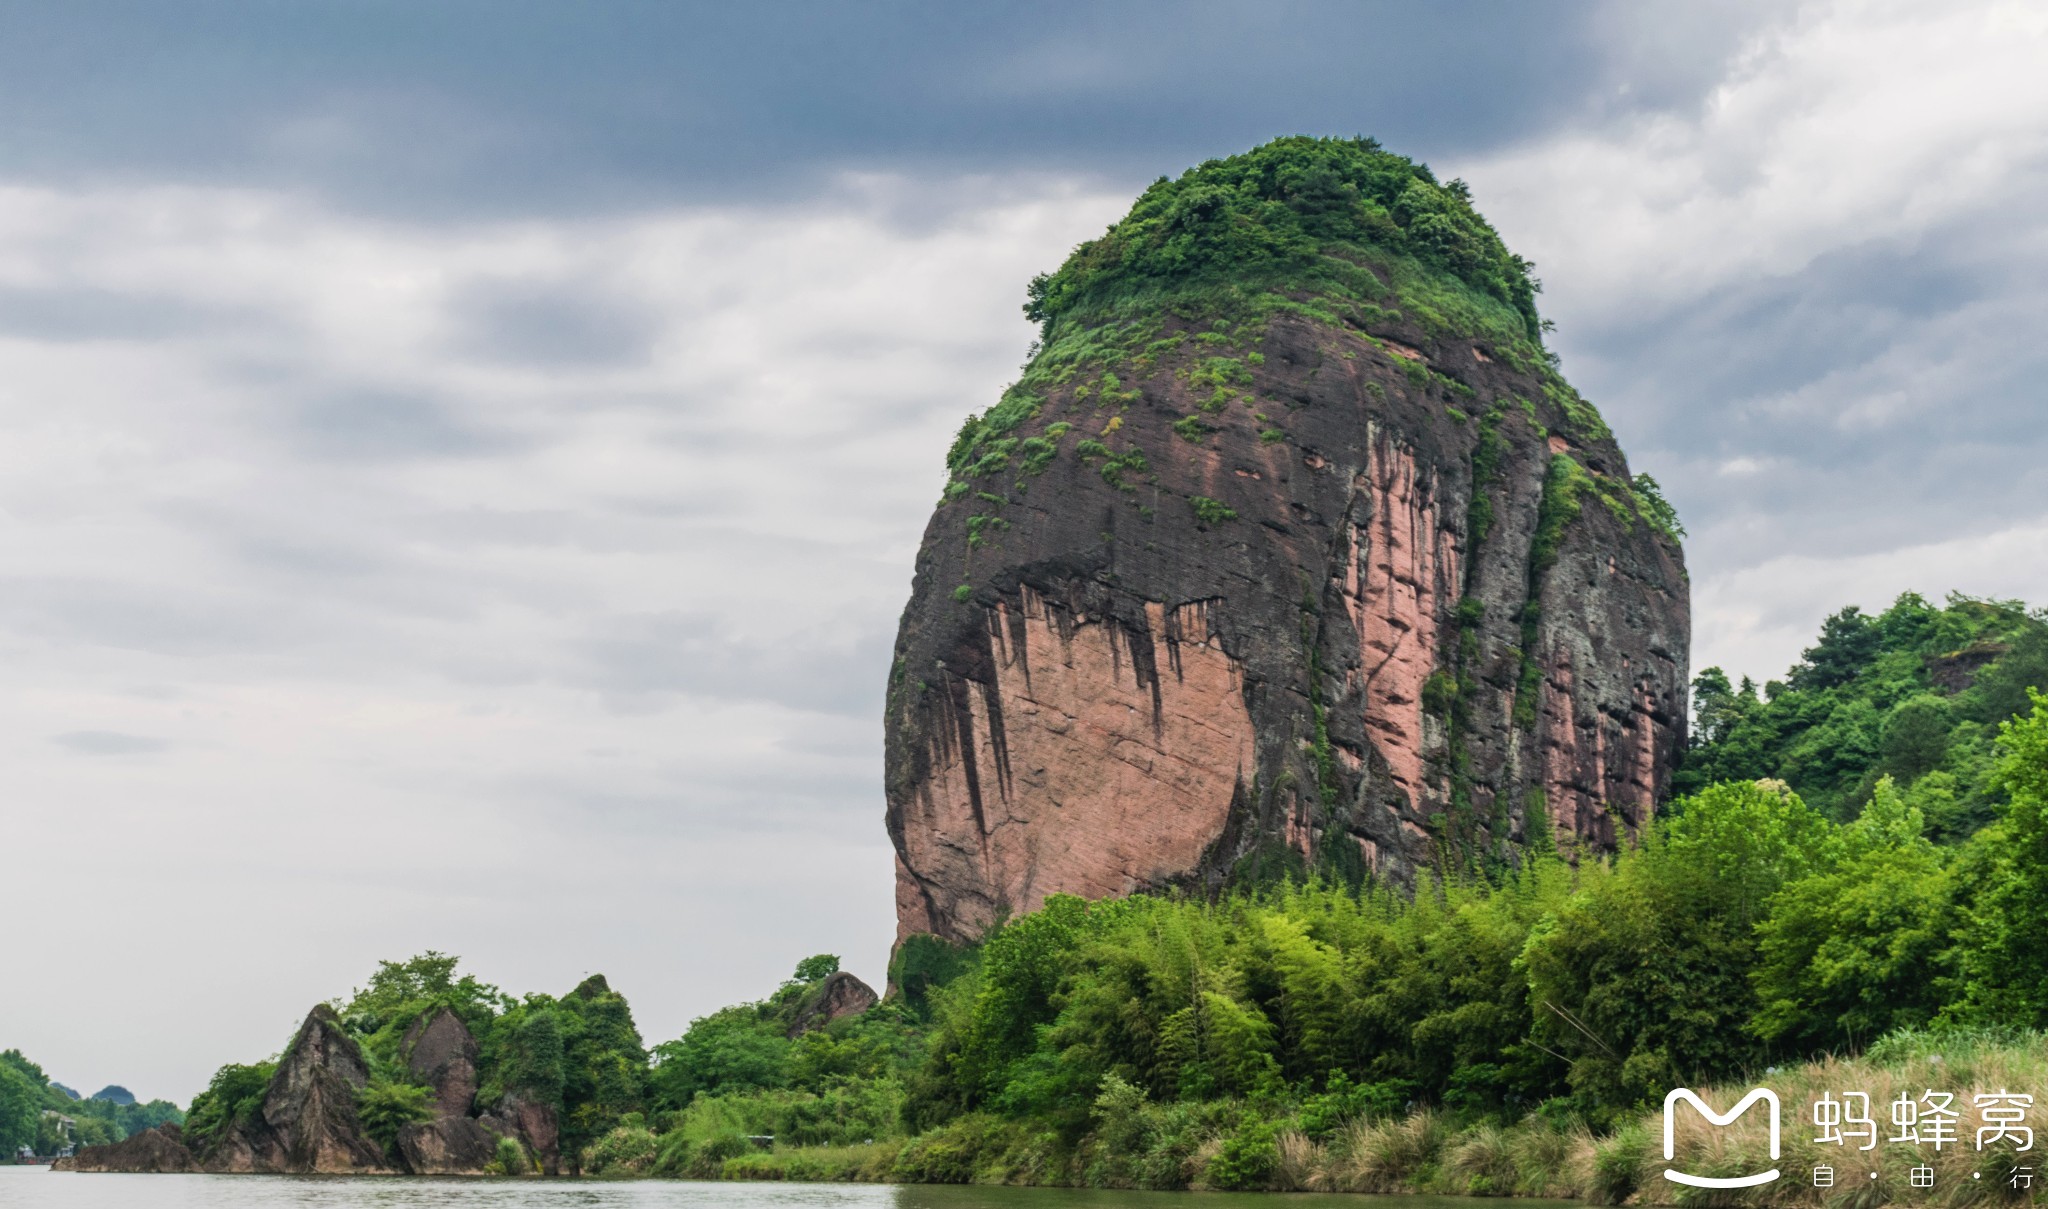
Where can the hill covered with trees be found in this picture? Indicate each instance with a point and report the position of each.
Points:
(1915, 693)
(46, 1116)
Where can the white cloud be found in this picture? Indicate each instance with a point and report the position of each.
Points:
(1758, 619)
(523, 591)
(1841, 123)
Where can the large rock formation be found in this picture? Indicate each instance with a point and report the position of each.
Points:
(1289, 549)
(441, 1053)
(308, 1123)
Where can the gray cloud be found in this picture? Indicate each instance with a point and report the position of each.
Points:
(401, 107)
(108, 743)
(372, 423)
(550, 323)
(1872, 376)
(66, 313)
(629, 657)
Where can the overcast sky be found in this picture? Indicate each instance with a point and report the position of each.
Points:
(460, 463)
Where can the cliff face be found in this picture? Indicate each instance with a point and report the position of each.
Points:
(1279, 559)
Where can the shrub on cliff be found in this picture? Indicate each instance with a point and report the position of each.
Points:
(235, 1094)
(400, 992)
(386, 1105)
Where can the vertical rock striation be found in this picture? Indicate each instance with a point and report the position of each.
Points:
(1290, 549)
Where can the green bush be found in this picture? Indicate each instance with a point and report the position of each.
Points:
(510, 1158)
(386, 1106)
(628, 1150)
(703, 1158)
(947, 1155)
(1246, 1159)
(235, 1094)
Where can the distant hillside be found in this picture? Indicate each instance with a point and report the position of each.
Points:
(1915, 693)
(46, 1116)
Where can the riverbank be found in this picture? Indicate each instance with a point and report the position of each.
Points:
(1136, 1144)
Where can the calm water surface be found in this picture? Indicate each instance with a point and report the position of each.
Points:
(40, 1188)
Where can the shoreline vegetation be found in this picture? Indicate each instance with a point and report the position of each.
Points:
(1428, 1152)
(1497, 1030)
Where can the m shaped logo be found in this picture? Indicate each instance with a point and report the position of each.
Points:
(1714, 1118)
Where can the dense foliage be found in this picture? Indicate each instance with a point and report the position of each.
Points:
(1301, 213)
(1915, 693)
(46, 1116)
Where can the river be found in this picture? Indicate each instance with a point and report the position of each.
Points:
(41, 1188)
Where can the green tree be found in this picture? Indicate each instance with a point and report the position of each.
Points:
(1861, 947)
(1916, 691)
(402, 991)
(1916, 736)
(732, 1049)
(2000, 691)
(1848, 640)
(21, 1108)
(2004, 978)
(1641, 979)
(604, 1063)
(816, 969)
(1750, 838)
(524, 1054)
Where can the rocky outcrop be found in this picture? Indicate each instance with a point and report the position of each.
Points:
(840, 995)
(154, 1151)
(1226, 588)
(442, 1054)
(308, 1123)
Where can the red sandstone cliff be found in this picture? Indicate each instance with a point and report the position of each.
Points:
(1227, 598)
